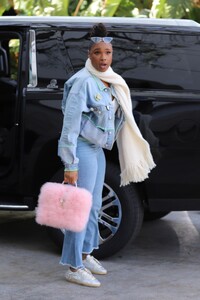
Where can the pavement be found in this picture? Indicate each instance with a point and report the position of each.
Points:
(162, 263)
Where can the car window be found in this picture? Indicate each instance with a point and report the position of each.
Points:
(9, 54)
(52, 58)
(158, 61)
(145, 60)
(77, 45)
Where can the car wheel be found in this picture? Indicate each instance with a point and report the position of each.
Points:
(120, 218)
(121, 215)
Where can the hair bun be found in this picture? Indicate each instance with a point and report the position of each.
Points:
(98, 30)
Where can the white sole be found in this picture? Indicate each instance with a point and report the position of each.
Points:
(83, 283)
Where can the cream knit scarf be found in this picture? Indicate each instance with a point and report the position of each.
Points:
(134, 152)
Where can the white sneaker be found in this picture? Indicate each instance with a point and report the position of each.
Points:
(82, 277)
(94, 265)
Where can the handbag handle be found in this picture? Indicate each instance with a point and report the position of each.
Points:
(70, 184)
(62, 199)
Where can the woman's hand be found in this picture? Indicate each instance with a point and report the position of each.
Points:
(71, 177)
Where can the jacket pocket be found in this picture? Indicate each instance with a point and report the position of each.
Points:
(92, 133)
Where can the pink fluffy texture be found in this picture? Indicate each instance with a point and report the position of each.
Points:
(72, 214)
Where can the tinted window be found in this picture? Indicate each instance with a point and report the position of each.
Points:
(154, 61)
(145, 60)
(52, 58)
(158, 61)
(60, 54)
(77, 44)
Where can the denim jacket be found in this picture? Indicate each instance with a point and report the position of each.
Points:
(89, 114)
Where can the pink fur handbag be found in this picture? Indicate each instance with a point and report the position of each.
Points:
(63, 206)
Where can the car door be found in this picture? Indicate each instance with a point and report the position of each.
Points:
(42, 101)
(10, 60)
(163, 72)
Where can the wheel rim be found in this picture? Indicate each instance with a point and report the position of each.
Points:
(110, 215)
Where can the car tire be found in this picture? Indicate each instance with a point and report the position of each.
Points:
(127, 209)
(120, 218)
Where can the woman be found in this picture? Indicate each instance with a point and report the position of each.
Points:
(97, 111)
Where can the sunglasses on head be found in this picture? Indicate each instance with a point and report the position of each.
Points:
(98, 39)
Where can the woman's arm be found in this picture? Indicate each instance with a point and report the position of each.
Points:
(74, 106)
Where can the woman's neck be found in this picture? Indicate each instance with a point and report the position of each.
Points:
(106, 83)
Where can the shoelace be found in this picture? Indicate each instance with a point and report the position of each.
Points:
(93, 258)
(88, 273)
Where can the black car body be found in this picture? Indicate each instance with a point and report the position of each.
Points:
(159, 59)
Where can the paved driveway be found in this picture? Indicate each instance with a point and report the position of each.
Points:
(163, 263)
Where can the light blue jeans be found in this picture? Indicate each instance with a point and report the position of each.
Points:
(90, 176)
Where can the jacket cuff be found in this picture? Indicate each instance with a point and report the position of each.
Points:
(71, 167)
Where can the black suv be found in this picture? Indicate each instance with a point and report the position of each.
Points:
(159, 59)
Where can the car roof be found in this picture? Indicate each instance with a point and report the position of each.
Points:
(112, 22)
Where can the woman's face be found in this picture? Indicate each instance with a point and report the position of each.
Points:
(101, 56)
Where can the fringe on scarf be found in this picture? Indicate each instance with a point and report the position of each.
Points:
(137, 173)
